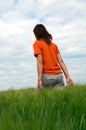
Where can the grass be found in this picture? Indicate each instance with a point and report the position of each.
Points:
(45, 110)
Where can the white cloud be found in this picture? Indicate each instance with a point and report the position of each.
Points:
(65, 20)
(5, 5)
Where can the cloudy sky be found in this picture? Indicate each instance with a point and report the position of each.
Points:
(64, 19)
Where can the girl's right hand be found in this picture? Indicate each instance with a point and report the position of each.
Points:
(69, 81)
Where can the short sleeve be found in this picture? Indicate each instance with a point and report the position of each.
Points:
(36, 48)
(57, 49)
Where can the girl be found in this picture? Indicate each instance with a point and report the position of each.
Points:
(50, 65)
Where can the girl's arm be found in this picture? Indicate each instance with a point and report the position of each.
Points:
(39, 70)
(65, 70)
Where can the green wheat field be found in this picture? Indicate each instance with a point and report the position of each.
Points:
(54, 109)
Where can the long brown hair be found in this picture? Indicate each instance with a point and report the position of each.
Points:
(41, 32)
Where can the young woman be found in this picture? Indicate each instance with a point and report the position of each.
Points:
(50, 65)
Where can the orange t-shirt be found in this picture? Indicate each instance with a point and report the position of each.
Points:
(49, 55)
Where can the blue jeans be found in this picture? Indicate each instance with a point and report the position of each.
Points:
(51, 81)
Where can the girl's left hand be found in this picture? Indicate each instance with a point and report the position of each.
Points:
(40, 84)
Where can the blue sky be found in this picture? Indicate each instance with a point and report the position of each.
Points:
(65, 20)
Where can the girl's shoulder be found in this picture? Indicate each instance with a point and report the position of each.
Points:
(54, 44)
(38, 43)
